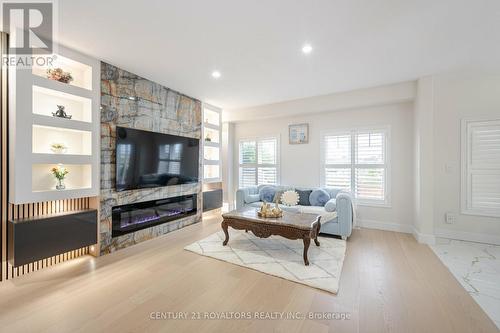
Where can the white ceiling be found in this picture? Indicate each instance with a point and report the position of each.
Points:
(256, 45)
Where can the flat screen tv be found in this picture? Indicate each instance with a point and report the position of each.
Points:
(148, 159)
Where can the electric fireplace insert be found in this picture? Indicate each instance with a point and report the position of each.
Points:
(140, 215)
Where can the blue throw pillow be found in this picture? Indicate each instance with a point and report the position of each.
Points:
(331, 205)
(332, 191)
(266, 193)
(252, 198)
(319, 197)
(304, 197)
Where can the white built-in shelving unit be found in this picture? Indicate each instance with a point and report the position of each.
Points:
(212, 137)
(32, 129)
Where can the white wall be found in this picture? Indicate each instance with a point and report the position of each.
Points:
(300, 164)
(459, 96)
(383, 95)
(425, 147)
(423, 118)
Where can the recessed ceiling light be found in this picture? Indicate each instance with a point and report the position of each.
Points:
(216, 74)
(306, 49)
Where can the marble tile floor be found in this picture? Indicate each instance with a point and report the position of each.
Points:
(477, 267)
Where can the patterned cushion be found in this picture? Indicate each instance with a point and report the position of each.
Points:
(319, 197)
(290, 198)
(266, 193)
(304, 197)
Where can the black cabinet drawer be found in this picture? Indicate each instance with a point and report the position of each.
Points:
(212, 200)
(42, 237)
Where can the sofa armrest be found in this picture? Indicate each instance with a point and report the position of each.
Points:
(242, 193)
(344, 213)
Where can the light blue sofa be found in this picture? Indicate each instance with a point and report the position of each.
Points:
(334, 224)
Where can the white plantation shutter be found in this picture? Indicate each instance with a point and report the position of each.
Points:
(248, 152)
(370, 165)
(267, 151)
(258, 162)
(338, 149)
(481, 164)
(267, 155)
(248, 177)
(370, 183)
(337, 161)
(370, 148)
(267, 175)
(338, 177)
(356, 161)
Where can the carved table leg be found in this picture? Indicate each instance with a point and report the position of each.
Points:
(307, 241)
(224, 227)
(316, 241)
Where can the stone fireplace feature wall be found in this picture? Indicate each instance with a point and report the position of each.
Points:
(131, 101)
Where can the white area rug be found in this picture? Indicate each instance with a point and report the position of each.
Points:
(279, 256)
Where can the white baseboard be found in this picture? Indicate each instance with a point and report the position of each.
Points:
(468, 236)
(428, 239)
(372, 224)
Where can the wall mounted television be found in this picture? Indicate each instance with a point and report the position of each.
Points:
(148, 159)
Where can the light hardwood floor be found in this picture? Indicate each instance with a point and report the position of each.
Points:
(389, 283)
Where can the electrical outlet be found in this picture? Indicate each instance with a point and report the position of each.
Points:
(450, 218)
(449, 168)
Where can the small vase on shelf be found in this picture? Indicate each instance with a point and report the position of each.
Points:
(60, 184)
(59, 173)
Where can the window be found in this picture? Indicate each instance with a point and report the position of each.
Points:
(357, 161)
(258, 162)
(481, 167)
(211, 144)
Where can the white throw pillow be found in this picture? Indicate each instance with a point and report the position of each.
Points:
(290, 198)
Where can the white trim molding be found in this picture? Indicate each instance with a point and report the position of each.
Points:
(387, 226)
(468, 236)
(428, 239)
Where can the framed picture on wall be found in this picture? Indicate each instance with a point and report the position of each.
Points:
(298, 134)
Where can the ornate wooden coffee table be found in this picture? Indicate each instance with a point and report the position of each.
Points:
(291, 226)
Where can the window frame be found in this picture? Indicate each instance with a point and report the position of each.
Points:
(387, 202)
(256, 165)
(465, 184)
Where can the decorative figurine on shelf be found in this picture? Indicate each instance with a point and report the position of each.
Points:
(58, 148)
(208, 138)
(267, 211)
(57, 74)
(60, 113)
(60, 173)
